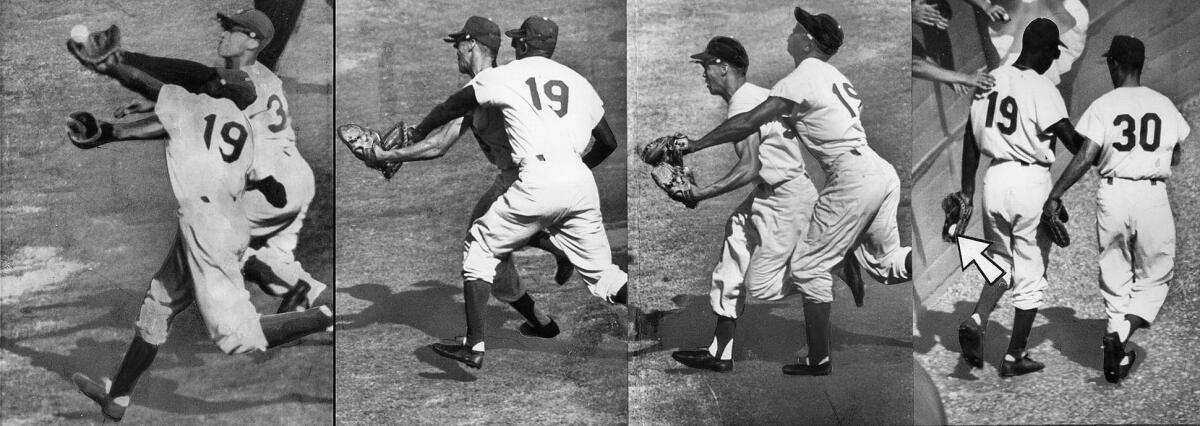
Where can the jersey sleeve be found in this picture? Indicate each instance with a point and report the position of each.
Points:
(489, 87)
(1184, 129)
(1050, 107)
(171, 99)
(1091, 125)
(789, 89)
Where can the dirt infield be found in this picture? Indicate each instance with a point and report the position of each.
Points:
(82, 232)
(400, 242)
(674, 249)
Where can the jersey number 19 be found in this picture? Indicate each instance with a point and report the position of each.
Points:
(555, 90)
(233, 135)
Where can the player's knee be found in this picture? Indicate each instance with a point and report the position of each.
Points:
(478, 262)
(247, 338)
(153, 322)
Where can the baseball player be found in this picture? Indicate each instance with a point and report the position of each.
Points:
(1016, 125)
(476, 46)
(209, 153)
(1134, 136)
(549, 112)
(279, 198)
(856, 211)
(763, 231)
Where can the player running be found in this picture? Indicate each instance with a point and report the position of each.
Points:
(549, 113)
(209, 155)
(1135, 136)
(856, 211)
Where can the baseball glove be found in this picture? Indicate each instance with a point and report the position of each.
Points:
(666, 156)
(362, 139)
(85, 131)
(957, 207)
(1053, 224)
(666, 148)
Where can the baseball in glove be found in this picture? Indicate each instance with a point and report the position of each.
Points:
(362, 140)
(666, 156)
(1053, 224)
(957, 207)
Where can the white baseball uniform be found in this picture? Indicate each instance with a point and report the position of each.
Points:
(763, 231)
(857, 208)
(209, 154)
(1137, 130)
(1010, 125)
(276, 230)
(549, 111)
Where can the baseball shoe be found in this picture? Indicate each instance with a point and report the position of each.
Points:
(804, 369)
(622, 296)
(99, 49)
(1022, 366)
(98, 392)
(853, 277)
(970, 338)
(564, 269)
(547, 331)
(296, 299)
(460, 352)
(1114, 354)
(703, 360)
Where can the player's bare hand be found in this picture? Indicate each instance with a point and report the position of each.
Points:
(1052, 206)
(997, 13)
(138, 106)
(689, 195)
(927, 14)
(979, 81)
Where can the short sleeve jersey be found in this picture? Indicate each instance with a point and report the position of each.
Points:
(780, 155)
(269, 114)
(1010, 122)
(210, 147)
(549, 110)
(1137, 129)
(827, 111)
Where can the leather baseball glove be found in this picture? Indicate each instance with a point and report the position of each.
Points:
(666, 156)
(666, 148)
(1053, 224)
(361, 140)
(957, 207)
(86, 132)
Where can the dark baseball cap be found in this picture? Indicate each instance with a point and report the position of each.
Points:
(1041, 33)
(1127, 50)
(480, 29)
(234, 85)
(823, 28)
(538, 32)
(724, 49)
(250, 21)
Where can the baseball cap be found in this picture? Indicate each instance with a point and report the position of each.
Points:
(538, 32)
(252, 21)
(234, 85)
(1127, 50)
(823, 28)
(480, 29)
(724, 49)
(1041, 33)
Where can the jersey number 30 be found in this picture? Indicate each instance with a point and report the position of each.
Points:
(556, 91)
(232, 134)
(1143, 137)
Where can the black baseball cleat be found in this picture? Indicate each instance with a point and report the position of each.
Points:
(804, 369)
(1022, 366)
(1114, 353)
(852, 274)
(296, 299)
(703, 360)
(547, 331)
(970, 338)
(99, 393)
(459, 352)
(563, 269)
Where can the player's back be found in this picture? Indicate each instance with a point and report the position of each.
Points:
(827, 112)
(269, 114)
(549, 110)
(210, 147)
(1010, 121)
(1137, 129)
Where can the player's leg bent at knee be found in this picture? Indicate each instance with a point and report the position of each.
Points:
(581, 236)
(880, 252)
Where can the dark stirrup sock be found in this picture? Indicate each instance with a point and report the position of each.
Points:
(283, 328)
(724, 334)
(816, 326)
(989, 296)
(1022, 324)
(526, 308)
(1135, 322)
(188, 74)
(137, 360)
(475, 295)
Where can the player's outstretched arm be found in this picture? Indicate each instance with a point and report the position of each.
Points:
(925, 69)
(86, 132)
(1065, 132)
(190, 75)
(136, 80)
(742, 125)
(435, 145)
(605, 145)
(970, 162)
(1076, 168)
(457, 105)
(742, 173)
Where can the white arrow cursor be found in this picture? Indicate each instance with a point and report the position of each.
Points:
(971, 250)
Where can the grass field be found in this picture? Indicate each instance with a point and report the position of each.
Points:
(400, 242)
(675, 249)
(82, 232)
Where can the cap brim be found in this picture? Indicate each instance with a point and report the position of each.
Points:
(514, 33)
(704, 57)
(802, 16)
(226, 20)
(455, 37)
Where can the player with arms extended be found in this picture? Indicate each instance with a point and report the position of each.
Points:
(1015, 124)
(209, 155)
(549, 113)
(856, 211)
(1134, 136)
